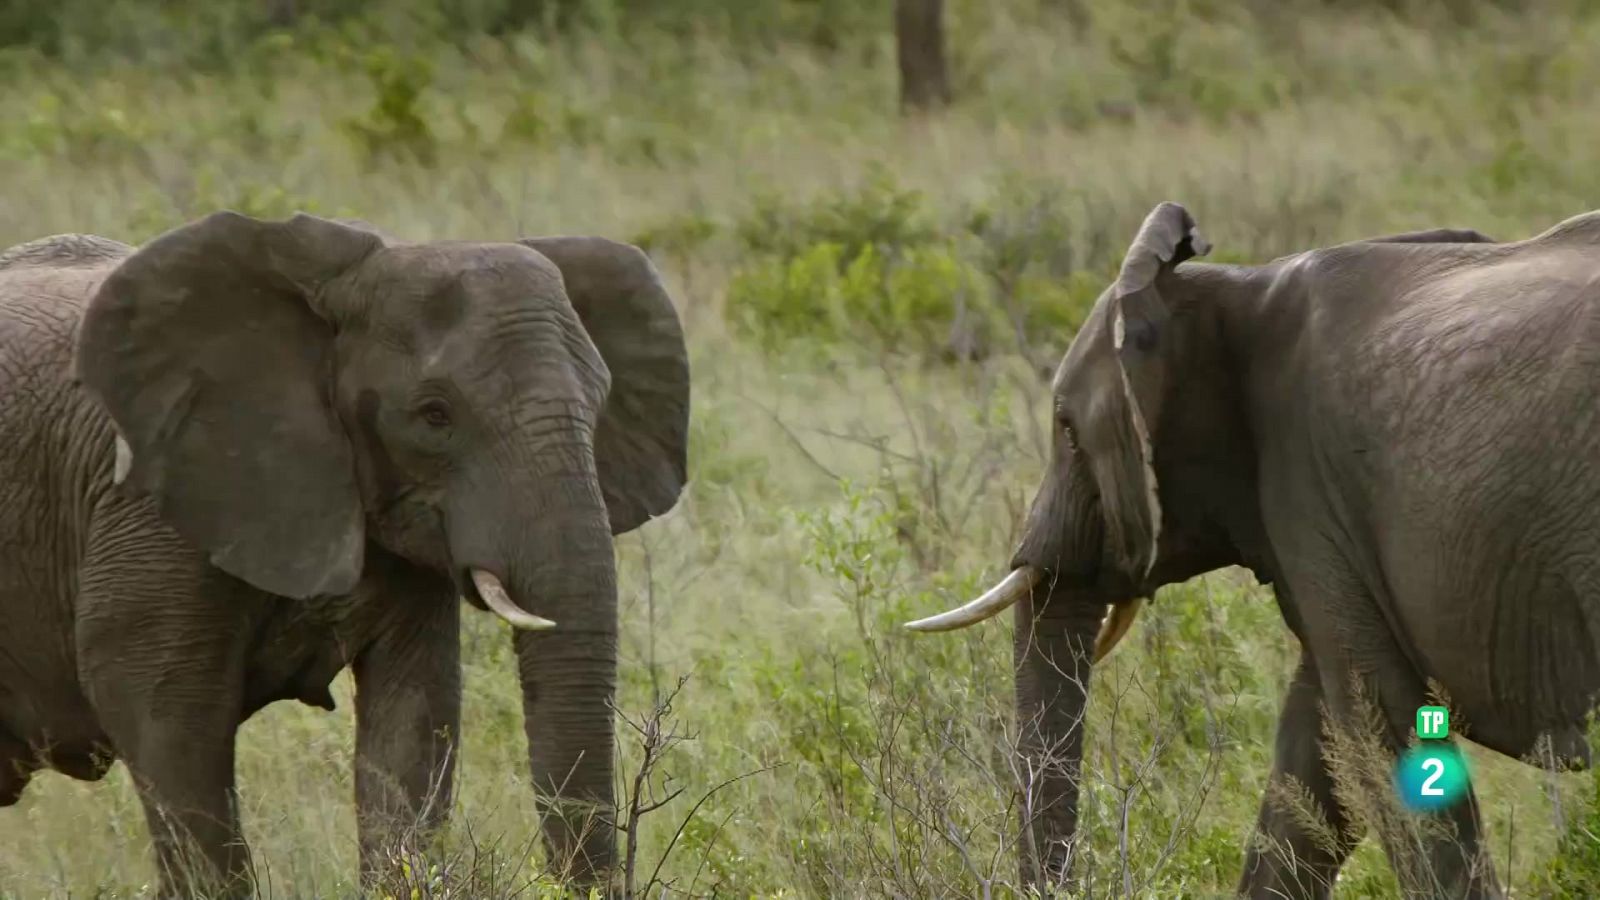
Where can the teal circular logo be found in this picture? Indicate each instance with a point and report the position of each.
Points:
(1431, 777)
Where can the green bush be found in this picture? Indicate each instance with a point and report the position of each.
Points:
(1574, 869)
(878, 214)
(212, 35)
(873, 267)
(76, 130)
(395, 126)
(909, 300)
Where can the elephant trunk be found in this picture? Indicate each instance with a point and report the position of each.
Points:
(568, 685)
(1061, 631)
(1054, 642)
(551, 546)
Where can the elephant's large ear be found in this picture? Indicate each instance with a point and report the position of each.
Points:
(1138, 320)
(641, 442)
(212, 349)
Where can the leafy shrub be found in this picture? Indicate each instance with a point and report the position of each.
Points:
(74, 128)
(208, 191)
(864, 266)
(394, 125)
(679, 236)
(905, 301)
(879, 214)
(211, 35)
(534, 119)
(873, 267)
(1574, 869)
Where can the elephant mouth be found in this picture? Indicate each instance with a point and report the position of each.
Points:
(483, 589)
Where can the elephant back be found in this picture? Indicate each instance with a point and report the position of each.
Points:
(64, 251)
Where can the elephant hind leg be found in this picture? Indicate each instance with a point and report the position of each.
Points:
(1371, 694)
(1303, 833)
(1439, 854)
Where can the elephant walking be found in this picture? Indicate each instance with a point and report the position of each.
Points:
(250, 453)
(1401, 436)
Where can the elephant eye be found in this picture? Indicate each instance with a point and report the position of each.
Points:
(1067, 430)
(435, 412)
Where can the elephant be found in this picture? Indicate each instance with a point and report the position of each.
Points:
(1398, 435)
(252, 453)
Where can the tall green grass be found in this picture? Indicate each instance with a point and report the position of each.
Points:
(870, 303)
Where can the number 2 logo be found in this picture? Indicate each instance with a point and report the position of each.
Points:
(1435, 765)
(1429, 779)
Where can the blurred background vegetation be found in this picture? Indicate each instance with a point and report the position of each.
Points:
(873, 296)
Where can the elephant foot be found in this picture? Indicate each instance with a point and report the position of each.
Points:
(83, 765)
(19, 760)
(1564, 750)
(16, 769)
(14, 778)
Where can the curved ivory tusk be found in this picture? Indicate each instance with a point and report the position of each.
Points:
(994, 601)
(124, 462)
(494, 594)
(1115, 627)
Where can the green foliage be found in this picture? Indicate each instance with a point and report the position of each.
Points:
(1574, 869)
(879, 215)
(718, 469)
(213, 35)
(395, 126)
(906, 301)
(681, 236)
(985, 234)
(209, 192)
(538, 120)
(872, 268)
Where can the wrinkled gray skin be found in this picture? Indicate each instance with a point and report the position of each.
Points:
(1400, 435)
(327, 431)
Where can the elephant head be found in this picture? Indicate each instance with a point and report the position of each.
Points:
(288, 391)
(1103, 528)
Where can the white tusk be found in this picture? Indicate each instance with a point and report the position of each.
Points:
(494, 594)
(124, 463)
(994, 601)
(1115, 627)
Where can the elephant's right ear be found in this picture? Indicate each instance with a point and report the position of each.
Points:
(641, 441)
(1139, 319)
(212, 350)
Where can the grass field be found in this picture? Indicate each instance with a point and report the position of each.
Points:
(847, 473)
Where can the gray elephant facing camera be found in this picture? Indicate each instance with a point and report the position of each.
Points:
(1401, 435)
(251, 453)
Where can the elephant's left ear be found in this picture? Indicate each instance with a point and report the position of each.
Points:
(1139, 322)
(1167, 237)
(641, 441)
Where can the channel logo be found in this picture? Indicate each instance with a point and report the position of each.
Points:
(1432, 775)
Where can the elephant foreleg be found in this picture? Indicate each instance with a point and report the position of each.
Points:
(1303, 833)
(408, 722)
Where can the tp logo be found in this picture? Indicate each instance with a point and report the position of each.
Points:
(1433, 723)
(1431, 776)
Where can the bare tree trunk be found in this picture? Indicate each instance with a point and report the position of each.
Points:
(282, 13)
(919, 42)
